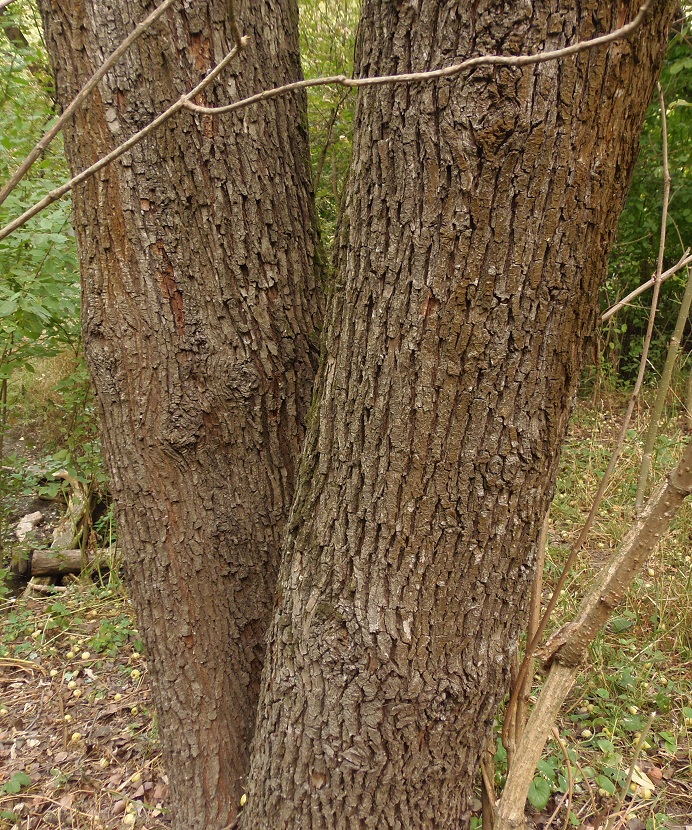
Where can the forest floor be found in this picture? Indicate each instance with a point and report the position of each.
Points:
(78, 740)
(78, 737)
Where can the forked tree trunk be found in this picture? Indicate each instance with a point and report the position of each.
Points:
(201, 305)
(478, 222)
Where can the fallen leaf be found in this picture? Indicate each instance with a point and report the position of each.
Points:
(118, 808)
(642, 780)
(66, 801)
(161, 791)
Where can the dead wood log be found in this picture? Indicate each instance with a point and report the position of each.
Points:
(56, 562)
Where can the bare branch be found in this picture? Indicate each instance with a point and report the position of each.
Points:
(233, 21)
(664, 385)
(568, 647)
(625, 789)
(576, 547)
(684, 260)
(186, 100)
(40, 148)
(433, 74)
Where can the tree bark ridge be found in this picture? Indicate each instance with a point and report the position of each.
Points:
(476, 230)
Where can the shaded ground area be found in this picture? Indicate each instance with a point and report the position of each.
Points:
(78, 739)
(78, 743)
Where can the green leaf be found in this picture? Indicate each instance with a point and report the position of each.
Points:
(539, 792)
(8, 307)
(606, 784)
(547, 767)
(606, 747)
(15, 784)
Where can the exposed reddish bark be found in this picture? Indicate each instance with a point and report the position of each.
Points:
(201, 306)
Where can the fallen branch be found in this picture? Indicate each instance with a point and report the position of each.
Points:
(59, 562)
(565, 651)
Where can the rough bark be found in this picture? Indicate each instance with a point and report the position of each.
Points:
(478, 221)
(200, 310)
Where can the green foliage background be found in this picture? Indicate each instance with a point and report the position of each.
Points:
(636, 251)
(39, 277)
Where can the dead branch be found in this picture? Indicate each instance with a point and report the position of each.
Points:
(56, 562)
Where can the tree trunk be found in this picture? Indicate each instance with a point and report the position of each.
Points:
(201, 303)
(478, 221)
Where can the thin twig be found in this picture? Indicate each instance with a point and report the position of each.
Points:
(630, 774)
(651, 437)
(327, 143)
(433, 74)
(56, 194)
(488, 794)
(233, 22)
(684, 260)
(663, 388)
(585, 780)
(570, 775)
(557, 809)
(186, 100)
(115, 56)
(522, 707)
